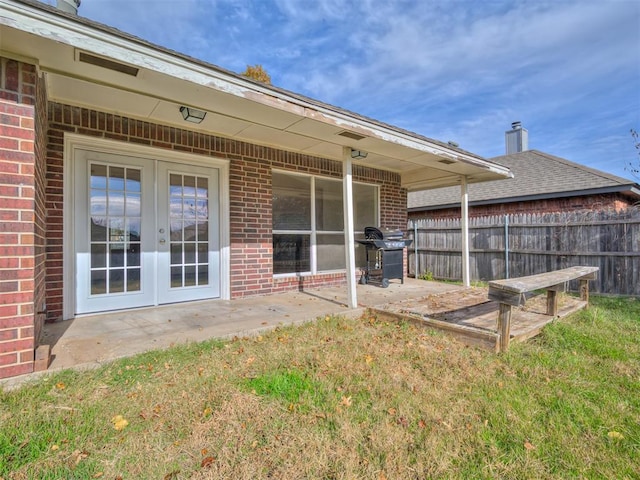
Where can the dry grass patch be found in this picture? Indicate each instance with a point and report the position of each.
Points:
(343, 399)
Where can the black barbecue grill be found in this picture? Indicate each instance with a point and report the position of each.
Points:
(384, 254)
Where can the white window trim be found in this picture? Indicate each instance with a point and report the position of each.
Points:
(73, 142)
(313, 232)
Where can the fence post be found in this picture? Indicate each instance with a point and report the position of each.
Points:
(504, 327)
(415, 248)
(506, 245)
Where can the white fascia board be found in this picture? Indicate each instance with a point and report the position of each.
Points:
(60, 29)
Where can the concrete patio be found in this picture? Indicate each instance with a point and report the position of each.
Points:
(92, 340)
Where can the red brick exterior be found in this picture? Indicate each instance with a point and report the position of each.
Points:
(22, 236)
(610, 201)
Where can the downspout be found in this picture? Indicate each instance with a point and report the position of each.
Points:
(464, 217)
(349, 240)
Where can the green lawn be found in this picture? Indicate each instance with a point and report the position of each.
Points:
(342, 398)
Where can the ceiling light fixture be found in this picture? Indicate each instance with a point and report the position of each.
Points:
(192, 115)
(358, 154)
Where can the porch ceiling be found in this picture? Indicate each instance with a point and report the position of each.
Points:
(236, 107)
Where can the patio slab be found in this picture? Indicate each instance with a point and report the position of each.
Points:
(90, 341)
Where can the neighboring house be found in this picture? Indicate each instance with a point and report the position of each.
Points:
(542, 183)
(132, 175)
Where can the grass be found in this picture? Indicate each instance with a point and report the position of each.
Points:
(342, 398)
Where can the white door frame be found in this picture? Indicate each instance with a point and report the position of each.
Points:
(73, 142)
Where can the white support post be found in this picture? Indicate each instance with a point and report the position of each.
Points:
(349, 241)
(464, 217)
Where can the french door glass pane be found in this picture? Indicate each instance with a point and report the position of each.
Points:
(98, 255)
(98, 282)
(133, 180)
(115, 200)
(114, 203)
(98, 229)
(189, 226)
(133, 279)
(190, 276)
(99, 176)
(116, 280)
(116, 179)
(203, 274)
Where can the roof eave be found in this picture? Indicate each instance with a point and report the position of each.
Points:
(630, 190)
(46, 22)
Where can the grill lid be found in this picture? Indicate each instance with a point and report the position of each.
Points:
(374, 233)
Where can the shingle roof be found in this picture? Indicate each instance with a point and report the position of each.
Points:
(536, 175)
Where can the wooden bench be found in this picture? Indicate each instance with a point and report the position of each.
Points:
(512, 292)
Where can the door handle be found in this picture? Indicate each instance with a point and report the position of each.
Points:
(162, 241)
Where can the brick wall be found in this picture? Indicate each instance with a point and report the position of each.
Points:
(21, 254)
(250, 194)
(611, 201)
(40, 213)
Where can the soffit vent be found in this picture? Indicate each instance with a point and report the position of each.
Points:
(446, 161)
(351, 135)
(109, 64)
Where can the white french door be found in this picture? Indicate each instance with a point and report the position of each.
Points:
(146, 232)
(187, 233)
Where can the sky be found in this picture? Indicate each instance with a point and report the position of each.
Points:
(461, 71)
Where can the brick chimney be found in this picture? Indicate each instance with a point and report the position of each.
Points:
(517, 139)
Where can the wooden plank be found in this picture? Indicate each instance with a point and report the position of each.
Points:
(504, 327)
(464, 333)
(552, 303)
(584, 290)
(515, 299)
(561, 287)
(530, 332)
(590, 276)
(541, 280)
(525, 325)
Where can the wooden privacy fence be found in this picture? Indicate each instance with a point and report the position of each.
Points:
(527, 244)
